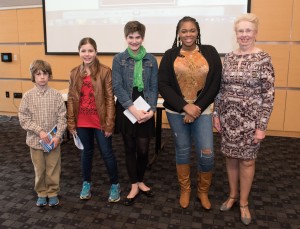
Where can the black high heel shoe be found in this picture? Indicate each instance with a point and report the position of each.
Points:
(130, 201)
(148, 193)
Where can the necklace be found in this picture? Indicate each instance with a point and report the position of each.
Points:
(246, 51)
(187, 50)
(241, 53)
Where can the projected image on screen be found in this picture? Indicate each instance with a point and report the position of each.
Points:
(135, 2)
(66, 22)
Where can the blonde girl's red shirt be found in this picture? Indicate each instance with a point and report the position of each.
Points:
(88, 115)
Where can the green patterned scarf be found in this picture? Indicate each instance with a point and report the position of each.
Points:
(138, 67)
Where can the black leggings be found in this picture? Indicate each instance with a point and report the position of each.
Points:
(136, 154)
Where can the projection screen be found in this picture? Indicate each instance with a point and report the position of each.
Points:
(67, 21)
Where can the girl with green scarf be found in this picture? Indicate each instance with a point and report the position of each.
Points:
(134, 74)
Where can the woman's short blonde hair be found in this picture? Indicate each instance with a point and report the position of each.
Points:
(250, 17)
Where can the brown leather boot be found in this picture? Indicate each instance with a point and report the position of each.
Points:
(204, 182)
(183, 173)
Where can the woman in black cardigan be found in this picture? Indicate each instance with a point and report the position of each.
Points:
(189, 79)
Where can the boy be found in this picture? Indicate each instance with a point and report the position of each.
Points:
(40, 110)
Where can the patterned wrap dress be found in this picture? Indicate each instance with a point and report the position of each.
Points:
(244, 102)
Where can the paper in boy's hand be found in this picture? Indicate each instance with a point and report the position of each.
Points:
(78, 142)
(48, 147)
(140, 104)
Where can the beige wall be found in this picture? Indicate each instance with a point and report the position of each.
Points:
(278, 35)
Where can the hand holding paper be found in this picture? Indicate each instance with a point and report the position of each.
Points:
(146, 116)
(77, 142)
(46, 139)
(139, 104)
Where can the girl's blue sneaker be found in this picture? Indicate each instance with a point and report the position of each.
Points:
(85, 193)
(114, 193)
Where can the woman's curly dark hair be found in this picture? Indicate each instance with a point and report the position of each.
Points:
(177, 41)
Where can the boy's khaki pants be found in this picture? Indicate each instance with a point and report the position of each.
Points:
(47, 168)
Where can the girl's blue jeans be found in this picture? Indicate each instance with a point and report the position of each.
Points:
(201, 132)
(87, 136)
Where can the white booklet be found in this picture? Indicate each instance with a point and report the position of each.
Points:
(140, 104)
(78, 142)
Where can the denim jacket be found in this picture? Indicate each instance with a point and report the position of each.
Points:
(122, 79)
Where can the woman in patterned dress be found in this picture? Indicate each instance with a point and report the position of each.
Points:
(189, 80)
(242, 110)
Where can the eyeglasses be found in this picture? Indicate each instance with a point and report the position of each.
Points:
(246, 31)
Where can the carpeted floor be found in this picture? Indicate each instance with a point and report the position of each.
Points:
(274, 201)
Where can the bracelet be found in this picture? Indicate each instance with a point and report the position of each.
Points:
(215, 114)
